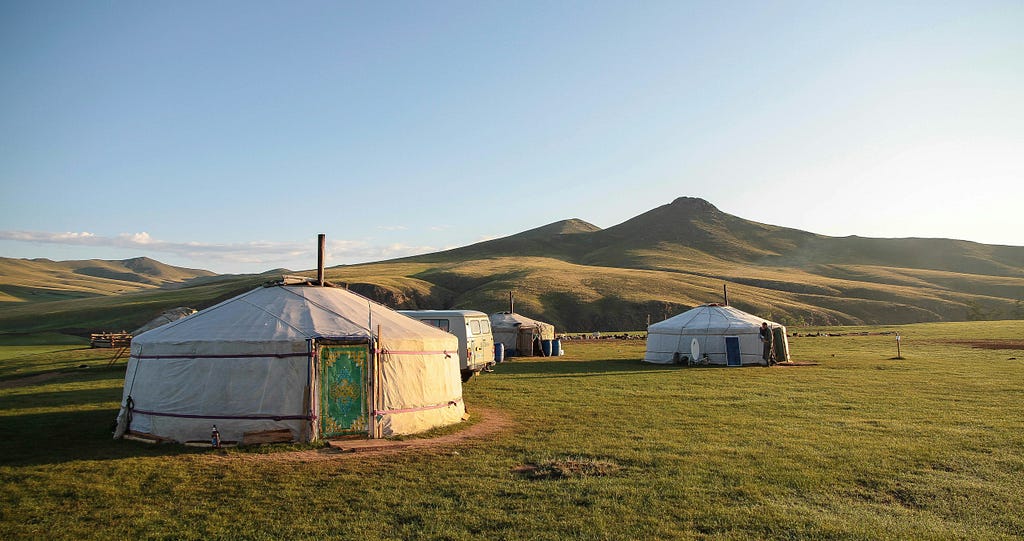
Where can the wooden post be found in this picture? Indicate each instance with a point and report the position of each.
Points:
(321, 240)
(898, 354)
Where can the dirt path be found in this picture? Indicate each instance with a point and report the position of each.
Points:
(493, 422)
(994, 343)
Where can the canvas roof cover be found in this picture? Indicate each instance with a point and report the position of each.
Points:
(165, 317)
(512, 321)
(669, 339)
(246, 365)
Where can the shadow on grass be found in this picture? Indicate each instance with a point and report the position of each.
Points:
(68, 436)
(59, 399)
(81, 430)
(71, 367)
(570, 368)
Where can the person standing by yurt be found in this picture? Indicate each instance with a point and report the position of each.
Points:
(767, 341)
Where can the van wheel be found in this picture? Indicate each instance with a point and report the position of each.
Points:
(466, 374)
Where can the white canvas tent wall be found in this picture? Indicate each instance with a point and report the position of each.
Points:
(517, 332)
(670, 341)
(255, 363)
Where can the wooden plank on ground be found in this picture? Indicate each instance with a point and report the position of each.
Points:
(282, 435)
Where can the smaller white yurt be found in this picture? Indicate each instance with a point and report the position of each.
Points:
(713, 334)
(518, 332)
(291, 361)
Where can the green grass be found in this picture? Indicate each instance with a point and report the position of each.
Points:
(856, 447)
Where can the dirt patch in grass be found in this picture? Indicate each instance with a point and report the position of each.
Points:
(492, 422)
(995, 343)
(567, 468)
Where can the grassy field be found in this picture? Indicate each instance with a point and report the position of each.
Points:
(859, 446)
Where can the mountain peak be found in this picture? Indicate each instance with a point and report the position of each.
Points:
(571, 226)
(693, 204)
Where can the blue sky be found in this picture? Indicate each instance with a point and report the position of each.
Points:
(226, 135)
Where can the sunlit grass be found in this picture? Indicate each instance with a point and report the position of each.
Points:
(858, 446)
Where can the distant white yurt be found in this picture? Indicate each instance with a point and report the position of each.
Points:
(518, 332)
(293, 360)
(712, 334)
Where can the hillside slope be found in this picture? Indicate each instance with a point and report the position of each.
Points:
(40, 280)
(787, 274)
(582, 277)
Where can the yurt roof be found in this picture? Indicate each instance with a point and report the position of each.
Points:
(165, 317)
(710, 318)
(285, 313)
(505, 320)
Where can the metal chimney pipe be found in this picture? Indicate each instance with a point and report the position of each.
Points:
(511, 304)
(725, 290)
(321, 240)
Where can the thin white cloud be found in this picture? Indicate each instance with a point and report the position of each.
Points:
(392, 228)
(255, 253)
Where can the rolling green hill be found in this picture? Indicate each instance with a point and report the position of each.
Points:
(582, 277)
(680, 254)
(35, 280)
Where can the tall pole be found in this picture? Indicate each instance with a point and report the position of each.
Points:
(378, 389)
(511, 304)
(321, 240)
(725, 292)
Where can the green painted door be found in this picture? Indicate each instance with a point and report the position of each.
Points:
(343, 390)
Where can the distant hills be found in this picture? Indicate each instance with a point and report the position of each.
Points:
(24, 280)
(582, 277)
(79, 297)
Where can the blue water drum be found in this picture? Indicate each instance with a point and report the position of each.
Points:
(556, 347)
(499, 352)
(545, 347)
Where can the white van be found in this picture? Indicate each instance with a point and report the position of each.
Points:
(476, 343)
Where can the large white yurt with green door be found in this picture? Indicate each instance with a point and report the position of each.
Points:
(291, 358)
(713, 334)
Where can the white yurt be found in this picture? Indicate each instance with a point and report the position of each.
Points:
(291, 361)
(518, 332)
(713, 334)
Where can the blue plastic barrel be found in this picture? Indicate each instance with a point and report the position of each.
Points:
(499, 352)
(545, 347)
(556, 347)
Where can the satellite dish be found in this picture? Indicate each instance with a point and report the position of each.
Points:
(694, 350)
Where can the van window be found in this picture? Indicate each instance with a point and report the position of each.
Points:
(485, 326)
(475, 326)
(439, 323)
